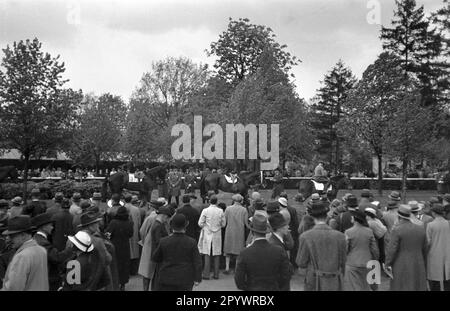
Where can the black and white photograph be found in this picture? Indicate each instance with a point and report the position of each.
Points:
(225, 146)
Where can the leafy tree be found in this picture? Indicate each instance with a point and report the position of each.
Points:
(99, 131)
(369, 107)
(36, 112)
(418, 46)
(328, 110)
(239, 48)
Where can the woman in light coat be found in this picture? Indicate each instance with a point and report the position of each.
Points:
(211, 220)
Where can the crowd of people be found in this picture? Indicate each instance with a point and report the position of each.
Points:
(74, 244)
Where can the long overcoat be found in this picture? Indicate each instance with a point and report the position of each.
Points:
(212, 220)
(406, 254)
(135, 215)
(236, 217)
(151, 241)
(438, 260)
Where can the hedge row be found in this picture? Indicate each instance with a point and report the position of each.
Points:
(48, 188)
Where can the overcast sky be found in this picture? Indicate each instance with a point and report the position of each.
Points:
(108, 45)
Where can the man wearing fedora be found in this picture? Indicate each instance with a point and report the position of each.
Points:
(27, 270)
(280, 228)
(135, 215)
(236, 219)
(211, 222)
(158, 230)
(44, 225)
(262, 266)
(36, 206)
(438, 259)
(85, 205)
(75, 208)
(293, 224)
(192, 216)
(406, 253)
(63, 225)
(16, 208)
(56, 204)
(178, 258)
(343, 221)
(322, 252)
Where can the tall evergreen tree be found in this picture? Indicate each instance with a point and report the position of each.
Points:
(418, 46)
(327, 111)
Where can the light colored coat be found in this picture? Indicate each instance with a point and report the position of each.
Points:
(144, 233)
(135, 215)
(236, 219)
(27, 270)
(212, 220)
(438, 237)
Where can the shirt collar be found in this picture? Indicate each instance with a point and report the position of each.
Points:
(41, 234)
(279, 237)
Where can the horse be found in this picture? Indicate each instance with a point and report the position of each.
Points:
(8, 171)
(331, 188)
(120, 180)
(216, 182)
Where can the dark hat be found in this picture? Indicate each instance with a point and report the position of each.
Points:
(392, 204)
(65, 203)
(395, 196)
(76, 197)
(4, 203)
(352, 201)
(259, 204)
(359, 215)
(283, 195)
(89, 218)
(188, 196)
(318, 209)
(165, 210)
(273, 207)
(96, 196)
(404, 211)
(85, 204)
(277, 221)
(446, 197)
(35, 191)
(366, 193)
(115, 197)
(122, 213)
(438, 208)
(156, 204)
(42, 219)
(59, 196)
(259, 224)
(127, 197)
(21, 223)
(134, 199)
(17, 200)
(178, 222)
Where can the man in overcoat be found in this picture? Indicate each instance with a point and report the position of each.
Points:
(322, 252)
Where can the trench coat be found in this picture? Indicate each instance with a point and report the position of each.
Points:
(146, 265)
(406, 253)
(236, 217)
(27, 270)
(135, 215)
(438, 259)
(322, 252)
(212, 220)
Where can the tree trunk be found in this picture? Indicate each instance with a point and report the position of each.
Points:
(25, 177)
(380, 174)
(97, 164)
(404, 171)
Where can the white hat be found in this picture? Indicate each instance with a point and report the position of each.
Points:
(162, 200)
(371, 211)
(110, 203)
(283, 202)
(82, 241)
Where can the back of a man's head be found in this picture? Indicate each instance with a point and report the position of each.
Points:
(213, 200)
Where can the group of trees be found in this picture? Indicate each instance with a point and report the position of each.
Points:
(398, 108)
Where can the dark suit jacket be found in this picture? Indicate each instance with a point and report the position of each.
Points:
(63, 227)
(35, 208)
(180, 263)
(274, 240)
(262, 267)
(55, 259)
(192, 215)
